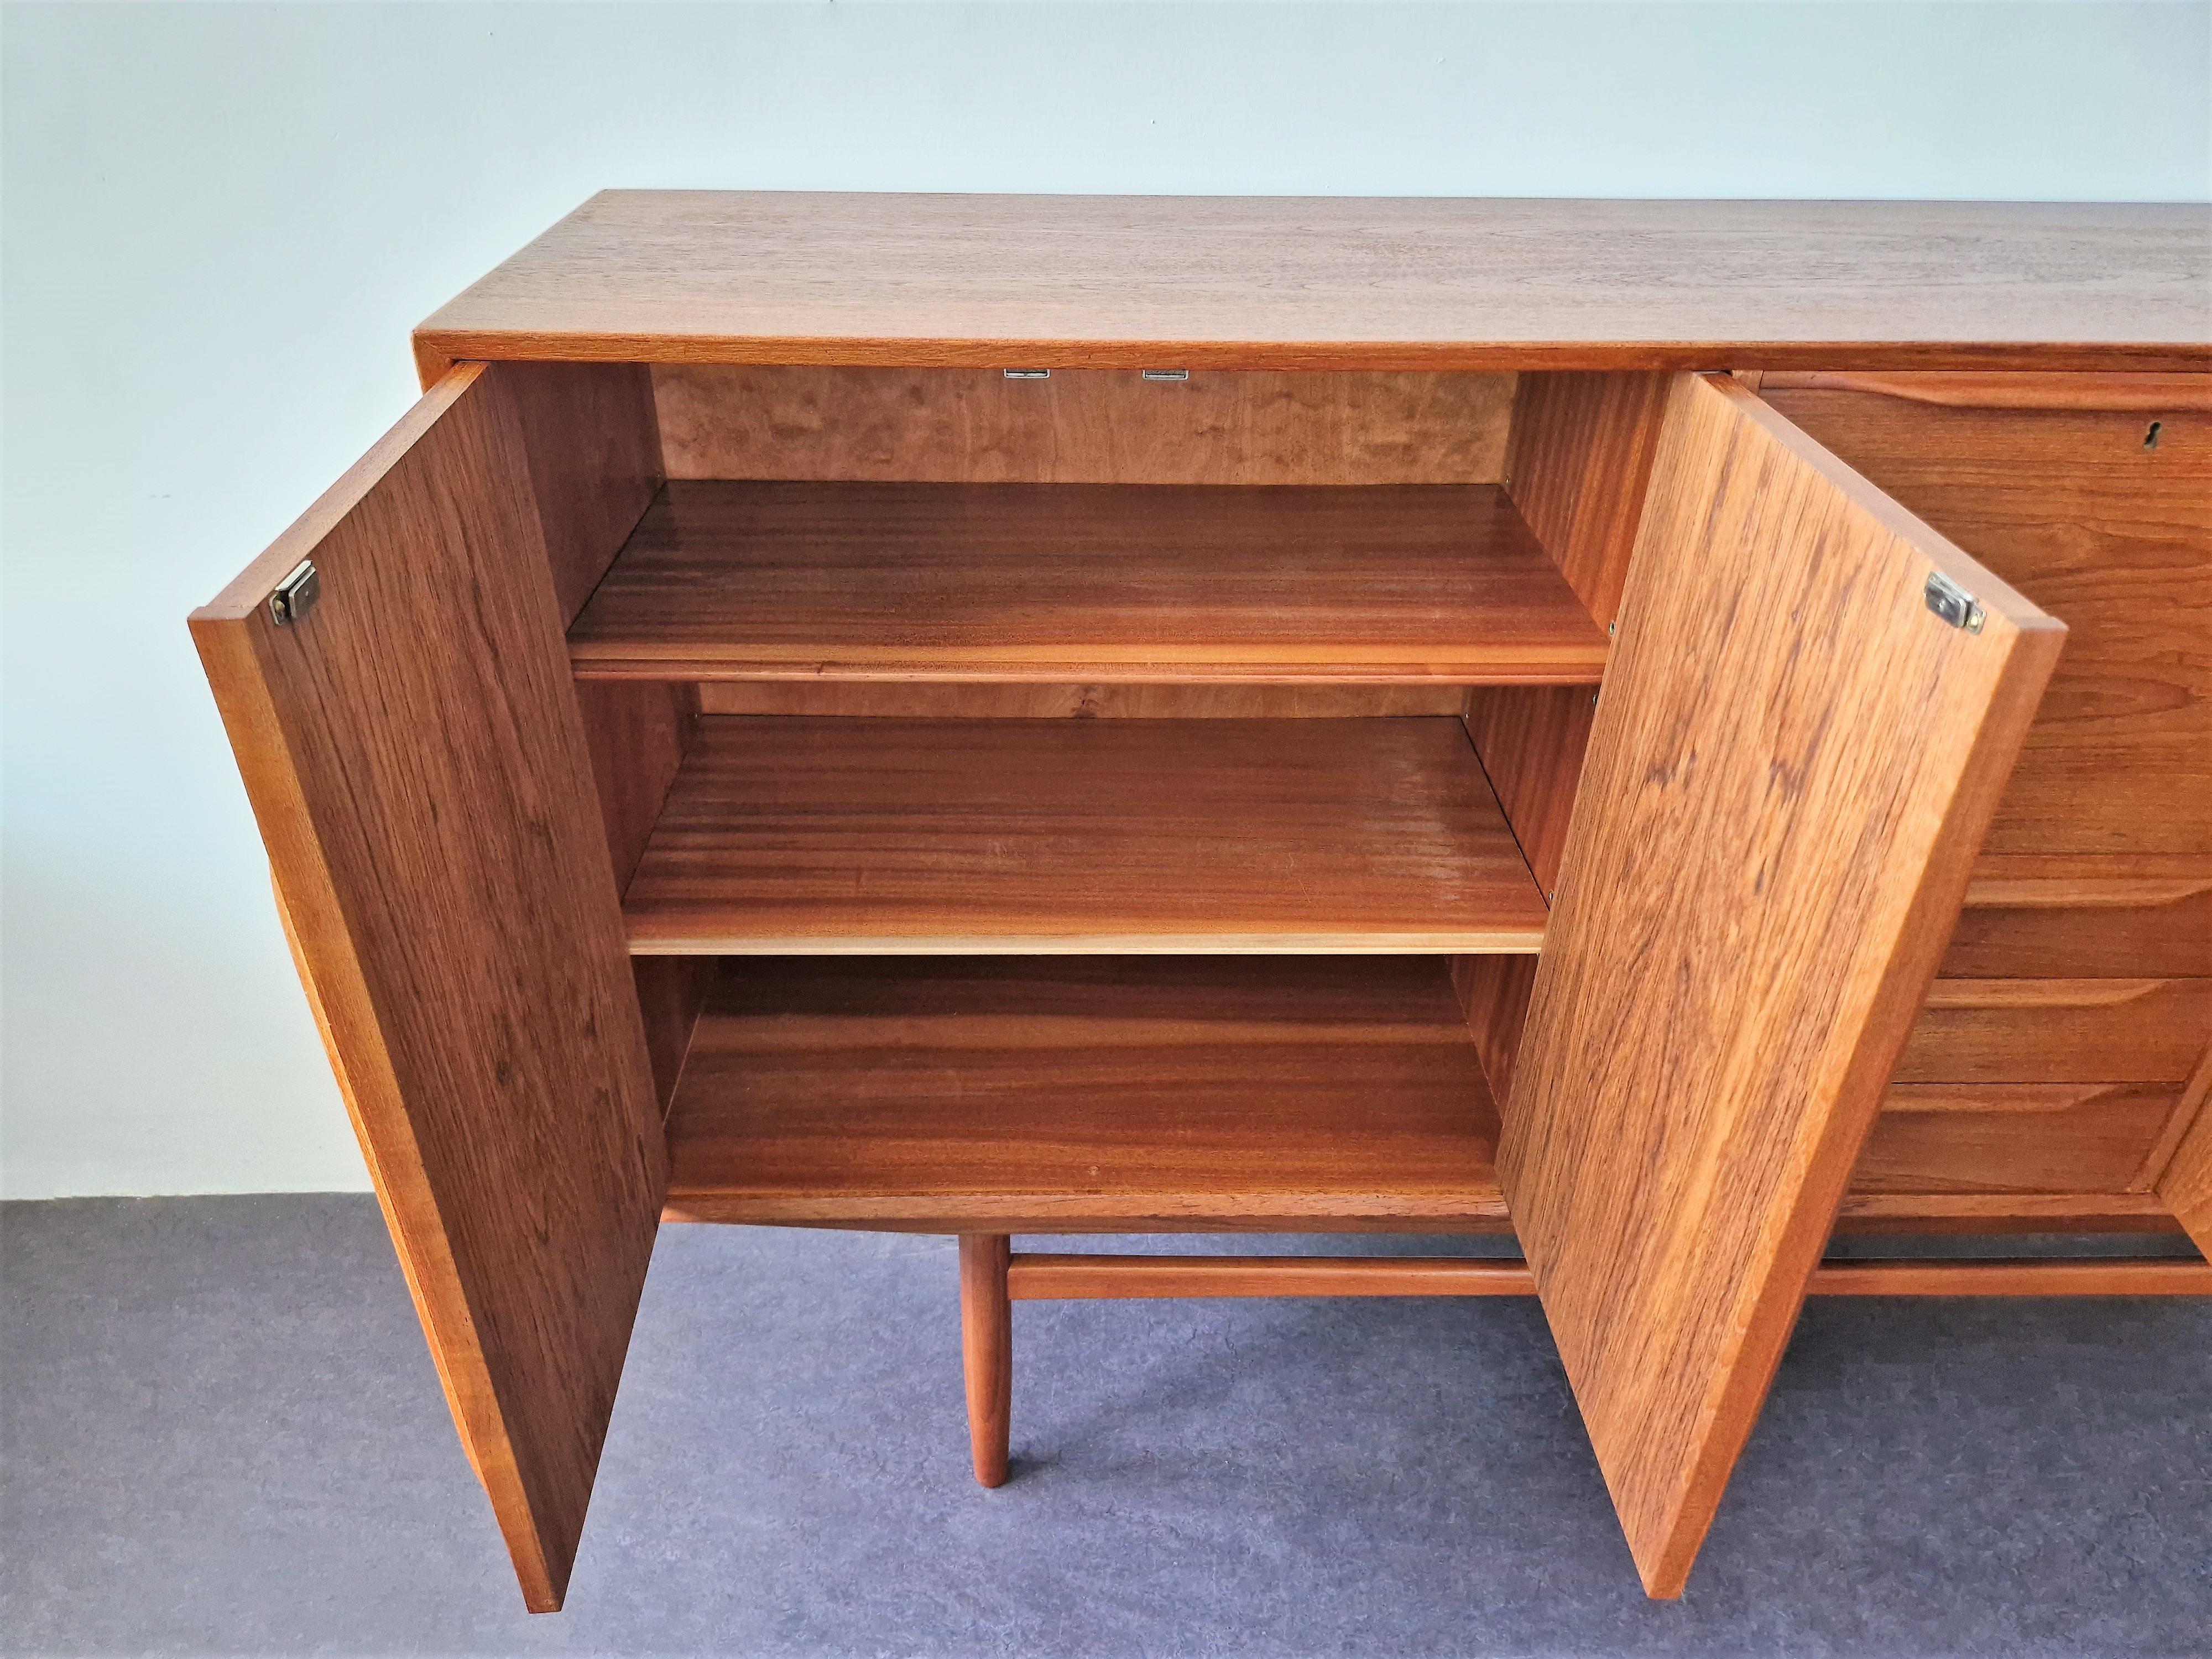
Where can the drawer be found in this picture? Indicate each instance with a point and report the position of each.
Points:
(2084, 918)
(2058, 1031)
(2093, 495)
(2014, 1138)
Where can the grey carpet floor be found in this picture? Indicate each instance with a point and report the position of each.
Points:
(224, 1436)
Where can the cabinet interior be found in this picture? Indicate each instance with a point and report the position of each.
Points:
(884, 671)
(1014, 782)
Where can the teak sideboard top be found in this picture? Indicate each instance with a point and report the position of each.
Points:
(1670, 729)
(1344, 282)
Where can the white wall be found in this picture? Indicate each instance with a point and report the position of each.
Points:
(220, 223)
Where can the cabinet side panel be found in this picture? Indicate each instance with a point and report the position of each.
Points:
(414, 755)
(1531, 740)
(1577, 468)
(1757, 884)
(594, 447)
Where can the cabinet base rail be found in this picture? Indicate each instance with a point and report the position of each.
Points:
(994, 1277)
(1045, 1277)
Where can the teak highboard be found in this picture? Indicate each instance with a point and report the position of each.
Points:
(1663, 728)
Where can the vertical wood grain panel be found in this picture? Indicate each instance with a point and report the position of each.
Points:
(1531, 740)
(637, 731)
(974, 426)
(672, 990)
(1579, 461)
(1578, 466)
(593, 451)
(1755, 890)
(1493, 995)
(415, 758)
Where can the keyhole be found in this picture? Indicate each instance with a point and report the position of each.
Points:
(2150, 437)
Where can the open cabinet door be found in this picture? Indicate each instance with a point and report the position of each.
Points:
(1793, 763)
(410, 738)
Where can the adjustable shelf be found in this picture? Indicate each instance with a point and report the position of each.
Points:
(823, 836)
(1164, 583)
(1085, 1095)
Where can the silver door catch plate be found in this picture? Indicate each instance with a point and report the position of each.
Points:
(1953, 603)
(295, 595)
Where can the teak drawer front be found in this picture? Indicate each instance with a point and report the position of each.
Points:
(1756, 885)
(2096, 501)
(2146, 917)
(412, 746)
(2058, 1031)
(2014, 1138)
(2093, 495)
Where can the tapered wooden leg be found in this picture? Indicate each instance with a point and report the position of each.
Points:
(987, 1350)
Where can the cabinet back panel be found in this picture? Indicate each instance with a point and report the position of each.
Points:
(1081, 426)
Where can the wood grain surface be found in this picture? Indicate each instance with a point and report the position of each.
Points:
(1085, 582)
(1999, 1213)
(1044, 1277)
(1022, 699)
(413, 755)
(2147, 394)
(2083, 916)
(2086, 1138)
(1083, 1089)
(2100, 523)
(796, 835)
(1493, 992)
(1578, 467)
(2186, 1186)
(1039, 1276)
(1339, 283)
(593, 451)
(1755, 890)
(987, 1352)
(2058, 1031)
(637, 732)
(1081, 426)
(1532, 740)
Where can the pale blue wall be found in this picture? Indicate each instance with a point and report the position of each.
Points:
(221, 223)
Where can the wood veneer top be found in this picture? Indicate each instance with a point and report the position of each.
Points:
(1086, 1088)
(1096, 582)
(1132, 282)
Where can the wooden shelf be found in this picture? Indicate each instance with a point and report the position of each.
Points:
(860, 836)
(1174, 583)
(1087, 1093)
